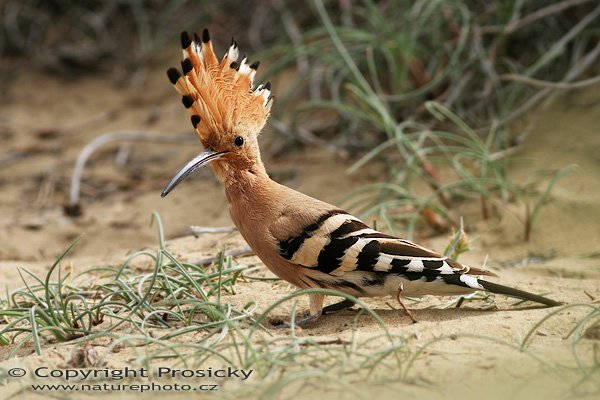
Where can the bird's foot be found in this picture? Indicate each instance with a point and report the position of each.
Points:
(316, 310)
(406, 310)
(301, 322)
(310, 319)
(342, 305)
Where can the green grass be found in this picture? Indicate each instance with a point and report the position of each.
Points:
(180, 296)
(377, 63)
(185, 315)
(177, 311)
(423, 87)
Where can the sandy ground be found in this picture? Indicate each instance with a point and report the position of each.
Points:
(43, 130)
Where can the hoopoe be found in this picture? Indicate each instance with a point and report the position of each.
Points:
(305, 241)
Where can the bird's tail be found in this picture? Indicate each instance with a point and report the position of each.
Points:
(520, 294)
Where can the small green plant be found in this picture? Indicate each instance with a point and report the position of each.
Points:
(479, 172)
(528, 196)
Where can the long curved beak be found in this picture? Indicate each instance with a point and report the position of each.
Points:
(199, 161)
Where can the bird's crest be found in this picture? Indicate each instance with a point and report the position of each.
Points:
(219, 95)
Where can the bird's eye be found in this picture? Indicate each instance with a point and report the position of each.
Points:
(238, 141)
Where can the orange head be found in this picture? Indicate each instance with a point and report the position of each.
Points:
(226, 111)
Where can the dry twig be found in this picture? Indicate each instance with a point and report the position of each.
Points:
(243, 251)
(135, 136)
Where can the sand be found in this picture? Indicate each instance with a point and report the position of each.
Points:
(475, 353)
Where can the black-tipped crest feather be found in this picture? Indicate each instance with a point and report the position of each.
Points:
(195, 120)
(187, 101)
(185, 40)
(187, 66)
(173, 75)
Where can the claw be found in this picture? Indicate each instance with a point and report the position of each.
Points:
(342, 305)
(302, 322)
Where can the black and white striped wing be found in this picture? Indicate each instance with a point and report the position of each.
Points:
(338, 243)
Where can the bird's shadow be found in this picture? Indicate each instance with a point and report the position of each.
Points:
(356, 317)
